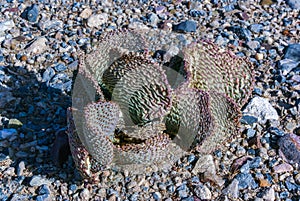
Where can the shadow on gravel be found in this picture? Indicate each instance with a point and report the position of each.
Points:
(37, 110)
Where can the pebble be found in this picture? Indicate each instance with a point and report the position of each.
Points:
(186, 26)
(157, 196)
(259, 56)
(95, 21)
(261, 109)
(289, 146)
(21, 168)
(86, 13)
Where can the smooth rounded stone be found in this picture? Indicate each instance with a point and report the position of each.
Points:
(253, 45)
(4, 26)
(95, 21)
(186, 26)
(157, 196)
(85, 194)
(7, 133)
(20, 168)
(232, 190)
(37, 47)
(256, 28)
(259, 56)
(37, 180)
(281, 168)
(261, 108)
(294, 4)
(14, 123)
(31, 13)
(202, 192)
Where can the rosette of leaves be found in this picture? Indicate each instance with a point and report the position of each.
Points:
(127, 114)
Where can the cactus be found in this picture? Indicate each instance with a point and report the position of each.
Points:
(125, 112)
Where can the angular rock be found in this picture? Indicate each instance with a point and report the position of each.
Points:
(4, 26)
(205, 165)
(289, 146)
(31, 13)
(261, 108)
(292, 52)
(287, 65)
(232, 190)
(269, 194)
(38, 46)
(186, 26)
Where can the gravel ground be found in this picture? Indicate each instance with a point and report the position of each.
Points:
(40, 42)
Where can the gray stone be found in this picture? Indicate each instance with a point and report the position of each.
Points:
(246, 181)
(20, 168)
(269, 194)
(253, 45)
(97, 20)
(256, 28)
(202, 192)
(294, 4)
(287, 65)
(293, 52)
(38, 46)
(261, 108)
(153, 19)
(4, 26)
(50, 24)
(85, 194)
(186, 26)
(38, 181)
(232, 190)
(205, 164)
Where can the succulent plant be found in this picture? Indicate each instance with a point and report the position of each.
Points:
(130, 110)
